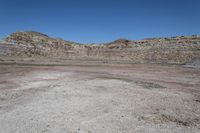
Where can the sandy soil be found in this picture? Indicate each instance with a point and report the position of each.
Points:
(99, 99)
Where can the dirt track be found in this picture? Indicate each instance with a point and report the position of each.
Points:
(104, 99)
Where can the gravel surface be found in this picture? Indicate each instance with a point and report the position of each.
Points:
(193, 64)
(99, 99)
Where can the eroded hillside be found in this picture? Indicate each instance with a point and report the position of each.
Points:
(175, 50)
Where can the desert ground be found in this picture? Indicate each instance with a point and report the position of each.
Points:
(132, 98)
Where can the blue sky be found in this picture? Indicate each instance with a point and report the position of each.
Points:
(88, 21)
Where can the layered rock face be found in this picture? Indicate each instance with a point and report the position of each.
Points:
(175, 50)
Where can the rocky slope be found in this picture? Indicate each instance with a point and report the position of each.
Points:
(174, 50)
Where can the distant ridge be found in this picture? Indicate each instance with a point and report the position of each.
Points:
(172, 50)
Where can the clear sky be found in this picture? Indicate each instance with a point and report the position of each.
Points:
(97, 21)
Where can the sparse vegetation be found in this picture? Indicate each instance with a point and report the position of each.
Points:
(174, 50)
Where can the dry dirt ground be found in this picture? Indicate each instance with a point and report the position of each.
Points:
(99, 99)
